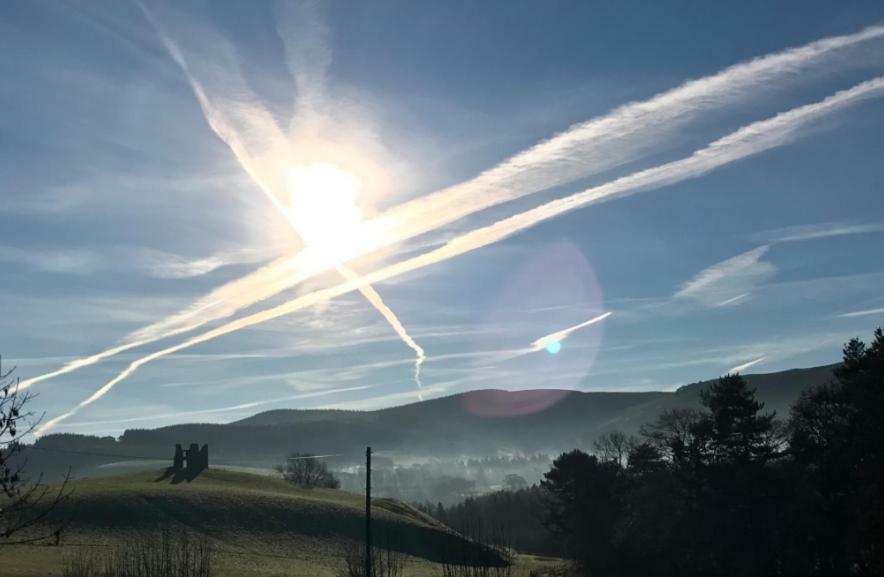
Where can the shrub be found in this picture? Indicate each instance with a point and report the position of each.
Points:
(167, 554)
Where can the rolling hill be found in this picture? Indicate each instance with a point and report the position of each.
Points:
(258, 525)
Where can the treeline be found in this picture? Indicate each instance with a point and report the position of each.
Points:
(514, 516)
(726, 490)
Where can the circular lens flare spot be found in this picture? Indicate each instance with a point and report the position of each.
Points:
(553, 347)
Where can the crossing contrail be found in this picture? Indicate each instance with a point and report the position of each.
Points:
(591, 147)
(745, 142)
(276, 141)
(375, 299)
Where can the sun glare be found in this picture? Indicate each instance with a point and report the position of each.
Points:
(322, 205)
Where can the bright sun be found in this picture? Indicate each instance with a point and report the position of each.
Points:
(322, 205)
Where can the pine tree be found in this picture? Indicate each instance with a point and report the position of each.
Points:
(737, 430)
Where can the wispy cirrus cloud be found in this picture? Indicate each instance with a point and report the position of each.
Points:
(225, 409)
(749, 140)
(816, 231)
(166, 265)
(149, 262)
(729, 281)
(380, 401)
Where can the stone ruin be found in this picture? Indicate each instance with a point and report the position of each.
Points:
(192, 460)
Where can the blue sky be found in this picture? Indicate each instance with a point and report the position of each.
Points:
(126, 206)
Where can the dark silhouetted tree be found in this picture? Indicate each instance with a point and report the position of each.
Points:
(837, 438)
(736, 430)
(644, 458)
(584, 506)
(613, 446)
(675, 435)
(27, 506)
(513, 482)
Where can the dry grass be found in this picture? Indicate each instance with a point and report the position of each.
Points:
(165, 554)
(256, 526)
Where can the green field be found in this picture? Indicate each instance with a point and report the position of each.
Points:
(257, 526)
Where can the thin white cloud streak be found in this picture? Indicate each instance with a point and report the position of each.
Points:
(745, 142)
(733, 300)
(632, 127)
(817, 231)
(865, 313)
(65, 261)
(220, 303)
(386, 400)
(541, 343)
(375, 299)
(239, 407)
(744, 366)
(714, 285)
(563, 334)
(154, 263)
(165, 265)
(305, 35)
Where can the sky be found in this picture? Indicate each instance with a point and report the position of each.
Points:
(210, 209)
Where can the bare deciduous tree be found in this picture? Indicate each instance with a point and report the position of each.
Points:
(614, 446)
(307, 471)
(26, 505)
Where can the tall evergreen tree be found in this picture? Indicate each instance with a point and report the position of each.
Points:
(584, 507)
(736, 429)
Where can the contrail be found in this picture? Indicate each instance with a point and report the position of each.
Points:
(277, 142)
(743, 143)
(744, 366)
(375, 299)
(732, 300)
(633, 126)
(865, 313)
(561, 335)
(550, 339)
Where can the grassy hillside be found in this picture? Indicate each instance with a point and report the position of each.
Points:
(258, 525)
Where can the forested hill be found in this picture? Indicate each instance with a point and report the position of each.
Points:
(478, 423)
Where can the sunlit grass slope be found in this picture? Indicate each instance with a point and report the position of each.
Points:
(258, 525)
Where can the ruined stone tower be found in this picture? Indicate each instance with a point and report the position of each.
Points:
(193, 459)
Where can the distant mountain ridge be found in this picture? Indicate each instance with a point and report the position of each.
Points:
(478, 423)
